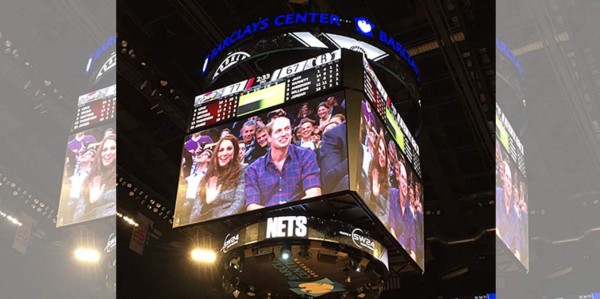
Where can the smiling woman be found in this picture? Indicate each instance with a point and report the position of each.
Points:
(222, 187)
(101, 192)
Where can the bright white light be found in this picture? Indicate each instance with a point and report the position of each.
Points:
(204, 256)
(130, 221)
(87, 255)
(205, 65)
(14, 220)
(87, 68)
(285, 255)
(308, 39)
(364, 26)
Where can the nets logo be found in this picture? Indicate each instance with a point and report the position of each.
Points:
(361, 240)
(287, 226)
(230, 240)
(229, 61)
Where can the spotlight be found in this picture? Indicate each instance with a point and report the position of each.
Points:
(285, 252)
(87, 255)
(251, 292)
(205, 256)
(124, 43)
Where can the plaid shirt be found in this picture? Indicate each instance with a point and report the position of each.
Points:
(267, 186)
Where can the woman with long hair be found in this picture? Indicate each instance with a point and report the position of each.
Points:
(378, 186)
(101, 192)
(222, 187)
(324, 114)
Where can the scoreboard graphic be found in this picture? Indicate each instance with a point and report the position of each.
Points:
(288, 83)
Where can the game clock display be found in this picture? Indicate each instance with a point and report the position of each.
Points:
(288, 83)
(96, 107)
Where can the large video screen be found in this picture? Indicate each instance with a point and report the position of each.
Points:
(389, 185)
(88, 185)
(282, 155)
(511, 192)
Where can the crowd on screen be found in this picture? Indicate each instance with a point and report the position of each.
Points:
(89, 177)
(284, 155)
(389, 186)
(511, 205)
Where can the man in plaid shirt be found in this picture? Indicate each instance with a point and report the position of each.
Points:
(285, 173)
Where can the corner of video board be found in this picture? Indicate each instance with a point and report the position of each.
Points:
(88, 189)
(512, 212)
(390, 180)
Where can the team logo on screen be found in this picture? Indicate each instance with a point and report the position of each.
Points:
(111, 244)
(286, 226)
(361, 240)
(316, 288)
(229, 61)
(230, 240)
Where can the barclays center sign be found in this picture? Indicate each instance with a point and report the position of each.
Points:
(361, 25)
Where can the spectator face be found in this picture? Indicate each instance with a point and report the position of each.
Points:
(403, 182)
(304, 109)
(87, 156)
(204, 157)
(248, 133)
(242, 152)
(306, 130)
(371, 142)
(522, 196)
(281, 133)
(225, 133)
(331, 101)
(381, 153)
(262, 138)
(507, 180)
(322, 112)
(109, 152)
(225, 153)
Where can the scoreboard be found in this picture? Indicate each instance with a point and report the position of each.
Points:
(288, 83)
(96, 107)
(382, 103)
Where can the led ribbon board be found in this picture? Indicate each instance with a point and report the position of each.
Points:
(361, 25)
(306, 228)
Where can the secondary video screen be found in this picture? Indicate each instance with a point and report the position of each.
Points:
(389, 185)
(279, 156)
(512, 211)
(88, 185)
